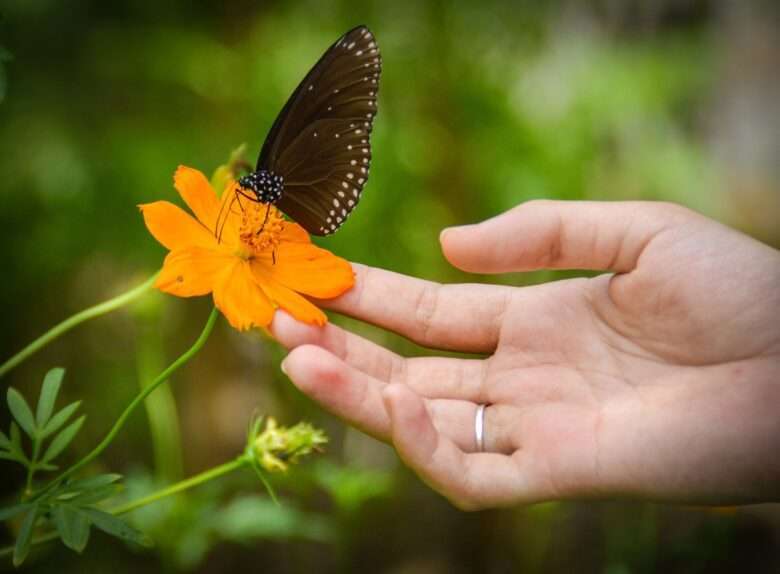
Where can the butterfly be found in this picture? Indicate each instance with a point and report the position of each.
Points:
(315, 160)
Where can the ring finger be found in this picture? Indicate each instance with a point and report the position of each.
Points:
(357, 398)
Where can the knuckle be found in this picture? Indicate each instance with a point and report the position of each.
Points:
(673, 211)
(425, 309)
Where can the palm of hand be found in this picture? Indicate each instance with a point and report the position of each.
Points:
(592, 383)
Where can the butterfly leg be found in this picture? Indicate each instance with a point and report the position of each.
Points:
(265, 220)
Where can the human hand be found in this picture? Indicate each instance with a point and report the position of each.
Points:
(660, 381)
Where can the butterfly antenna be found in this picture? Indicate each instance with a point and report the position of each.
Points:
(226, 213)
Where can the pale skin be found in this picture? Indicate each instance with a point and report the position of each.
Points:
(656, 380)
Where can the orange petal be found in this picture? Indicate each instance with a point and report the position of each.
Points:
(308, 269)
(192, 271)
(173, 227)
(298, 306)
(197, 193)
(294, 233)
(240, 299)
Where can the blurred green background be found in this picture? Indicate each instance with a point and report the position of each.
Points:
(482, 105)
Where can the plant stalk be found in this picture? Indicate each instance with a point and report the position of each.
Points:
(74, 320)
(161, 378)
(185, 484)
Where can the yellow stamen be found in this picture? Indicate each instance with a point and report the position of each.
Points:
(261, 227)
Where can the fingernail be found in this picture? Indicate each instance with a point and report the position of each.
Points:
(282, 367)
(445, 232)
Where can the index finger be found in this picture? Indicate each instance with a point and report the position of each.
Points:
(460, 317)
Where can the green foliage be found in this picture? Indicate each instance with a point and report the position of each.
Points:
(350, 488)
(49, 391)
(39, 427)
(185, 529)
(70, 505)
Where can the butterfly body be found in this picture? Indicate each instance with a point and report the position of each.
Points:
(315, 160)
(266, 186)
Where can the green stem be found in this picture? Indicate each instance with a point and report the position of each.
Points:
(161, 378)
(204, 476)
(31, 467)
(72, 321)
(191, 482)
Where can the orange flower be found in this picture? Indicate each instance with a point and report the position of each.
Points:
(261, 261)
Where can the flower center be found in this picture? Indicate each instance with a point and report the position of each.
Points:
(261, 227)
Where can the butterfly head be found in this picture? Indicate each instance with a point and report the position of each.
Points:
(265, 185)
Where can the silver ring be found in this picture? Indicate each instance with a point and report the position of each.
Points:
(479, 428)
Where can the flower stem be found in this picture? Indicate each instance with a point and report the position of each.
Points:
(74, 320)
(161, 378)
(204, 476)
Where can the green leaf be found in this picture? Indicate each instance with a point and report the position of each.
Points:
(23, 541)
(5, 442)
(63, 439)
(11, 511)
(88, 490)
(49, 391)
(59, 419)
(46, 466)
(114, 526)
(21, 411)
(9, 455)
(254, 517)
(96, 494)
(72, 525)
(16, 437)
(16, 444)
(96, 481)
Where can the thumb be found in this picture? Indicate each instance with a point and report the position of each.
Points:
(542, 234)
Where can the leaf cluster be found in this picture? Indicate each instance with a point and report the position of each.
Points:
(70, 506)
